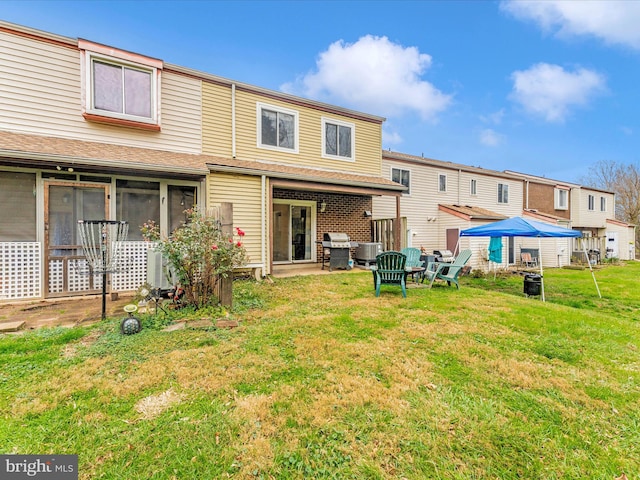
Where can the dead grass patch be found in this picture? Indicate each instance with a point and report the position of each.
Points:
(152, 406)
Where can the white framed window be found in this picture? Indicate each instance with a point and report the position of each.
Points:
(403, 177)
(277, 128)
(603, 204)
(561, 199)
(120, 89)
(338, 139)
(473, 187)
(591, 202)
(503, 193)
(442, 182)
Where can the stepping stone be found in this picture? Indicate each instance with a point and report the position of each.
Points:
(12, 326)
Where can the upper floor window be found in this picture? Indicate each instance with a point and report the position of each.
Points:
(503, 193)
(442, 182)
(561, 199)
(337, 139)
(603, 204)
(120, 87)
(591, 202)
(403, 177)
(473, 187)
(277, 128)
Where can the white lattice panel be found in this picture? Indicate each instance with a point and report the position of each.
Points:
(133, 266)
(56, 276)
(20, 270)
(77, 279)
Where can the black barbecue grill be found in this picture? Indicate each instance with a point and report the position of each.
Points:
(338, 246)
(444, 256)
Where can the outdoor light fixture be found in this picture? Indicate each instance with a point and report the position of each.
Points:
(323, 206)
(367, 213)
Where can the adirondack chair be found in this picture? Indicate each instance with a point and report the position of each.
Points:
(414, 265)
(447, 271)
(390, 270)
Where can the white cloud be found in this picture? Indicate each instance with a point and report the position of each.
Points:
(613, 21)
(391, 137)
(373, 75)
(491, 138)
(550, 91)
(495, 117)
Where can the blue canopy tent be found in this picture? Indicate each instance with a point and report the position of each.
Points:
(520, 227)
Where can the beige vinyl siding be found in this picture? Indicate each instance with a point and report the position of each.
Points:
(244, 192)
(216, 120)
(41, 89)
(581, 216)
(422, 203)
(368, 137)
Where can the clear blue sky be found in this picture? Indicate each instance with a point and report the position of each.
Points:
(544, 87)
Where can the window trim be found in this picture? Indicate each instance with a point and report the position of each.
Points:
(473, 187)
(408, 192)
(277, 109)
(591, 203)
(440, 177)
(91, 113)
(556, 197)
(603, 204)
(501, 197)
(339, 123)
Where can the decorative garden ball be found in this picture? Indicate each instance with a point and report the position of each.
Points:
(131, 324)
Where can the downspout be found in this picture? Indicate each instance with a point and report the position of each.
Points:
(526, 200)
(233, 121)
(263, 224)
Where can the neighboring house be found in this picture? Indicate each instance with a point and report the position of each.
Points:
(592, 211)
(91, 132)
(444, 198)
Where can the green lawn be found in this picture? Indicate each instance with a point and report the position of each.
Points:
(323, 380)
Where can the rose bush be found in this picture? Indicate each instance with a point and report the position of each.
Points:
(201, 254)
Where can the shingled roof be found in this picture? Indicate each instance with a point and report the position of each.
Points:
(469, 212)
(49, 152)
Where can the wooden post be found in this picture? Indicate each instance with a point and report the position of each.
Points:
(226, 284)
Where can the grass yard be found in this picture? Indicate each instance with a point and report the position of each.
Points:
(323, 380)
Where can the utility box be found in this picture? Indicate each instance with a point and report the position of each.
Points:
(160, 273)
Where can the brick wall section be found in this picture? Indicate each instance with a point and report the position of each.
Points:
(541, 197)
(344, 214)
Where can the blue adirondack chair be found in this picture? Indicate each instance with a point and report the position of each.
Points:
(447, 271)
(390, 270)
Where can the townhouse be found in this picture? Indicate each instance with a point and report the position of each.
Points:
(89, 131)
(443, 198)
(590, 210)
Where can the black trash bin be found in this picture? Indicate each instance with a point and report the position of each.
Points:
(532, 284)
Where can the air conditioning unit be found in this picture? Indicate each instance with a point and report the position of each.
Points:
(160, 273)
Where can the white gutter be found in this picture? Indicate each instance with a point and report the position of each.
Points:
(263, 224)
(233, 120)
